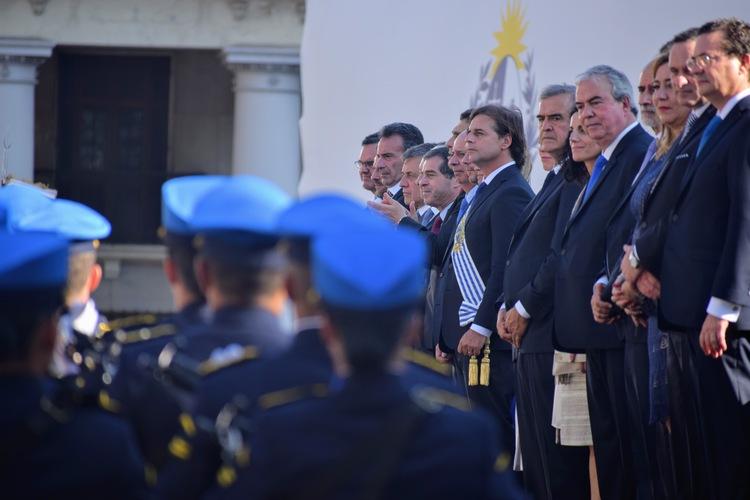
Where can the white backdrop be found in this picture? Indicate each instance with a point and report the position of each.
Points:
(368, 63)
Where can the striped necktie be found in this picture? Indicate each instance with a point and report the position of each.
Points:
(692, 118)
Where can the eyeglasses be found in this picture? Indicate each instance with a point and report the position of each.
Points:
(360, 165)
(701, 61)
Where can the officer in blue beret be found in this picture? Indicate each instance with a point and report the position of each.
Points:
(50, 448)
(375, 436)
(196, 451)
(240, 272)
(29, 209)
(139, 338)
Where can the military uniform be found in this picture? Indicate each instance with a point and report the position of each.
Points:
(53, 445)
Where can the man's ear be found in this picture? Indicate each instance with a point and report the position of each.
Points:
(170, 270)
(95, 277)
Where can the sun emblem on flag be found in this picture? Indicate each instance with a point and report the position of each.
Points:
(508, 78)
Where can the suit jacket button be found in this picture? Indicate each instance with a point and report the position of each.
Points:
(562, 252)
(675, 217)
(441, 274)
(507, 263)
(643, 225)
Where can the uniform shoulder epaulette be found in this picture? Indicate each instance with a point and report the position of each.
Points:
(224, 357)
(144, 333)
(426, 361)
(433, 399)
(292, 394)
(128, 323)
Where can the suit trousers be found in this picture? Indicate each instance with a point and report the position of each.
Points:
(608, 410)
(498, 398)
(651, 463)
(717, 423)
(550, 470)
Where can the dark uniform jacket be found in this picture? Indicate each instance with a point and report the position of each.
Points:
(52, 449)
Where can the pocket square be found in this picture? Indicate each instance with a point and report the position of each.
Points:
(680, 157)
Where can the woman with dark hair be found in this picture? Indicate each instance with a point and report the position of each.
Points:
(570, 412)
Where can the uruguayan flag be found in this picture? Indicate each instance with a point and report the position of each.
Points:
(468, 277)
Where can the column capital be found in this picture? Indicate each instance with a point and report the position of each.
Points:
(25, 49)
(261, 58)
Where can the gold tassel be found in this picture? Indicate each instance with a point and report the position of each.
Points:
(484, 372)
(473, 371)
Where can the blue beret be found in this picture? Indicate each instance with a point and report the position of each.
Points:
(179, 197)
(68, 219)
(18, 201)
(32, 261)
(370, 270)
(324, 214)
(244, 203)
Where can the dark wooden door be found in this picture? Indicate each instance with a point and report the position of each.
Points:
(113, 116)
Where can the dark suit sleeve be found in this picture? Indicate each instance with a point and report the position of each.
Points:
(536, 296)
(732, 281)
(503, 218)
(649, 244)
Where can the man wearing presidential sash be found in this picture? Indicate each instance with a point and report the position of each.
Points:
(496, 145)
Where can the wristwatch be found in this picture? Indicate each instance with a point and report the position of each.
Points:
(634, 262)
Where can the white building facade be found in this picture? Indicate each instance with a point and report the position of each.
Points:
(104, 100)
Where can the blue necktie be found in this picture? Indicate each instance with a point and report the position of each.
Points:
(707, 133)
(465, 204)
(595, 174)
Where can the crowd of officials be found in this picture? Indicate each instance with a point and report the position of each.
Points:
(591, 340)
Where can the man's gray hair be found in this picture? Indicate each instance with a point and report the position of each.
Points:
(621, 86)
(417, 151)
(560, 89)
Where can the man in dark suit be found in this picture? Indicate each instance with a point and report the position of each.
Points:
(549, 470)
(706, 241)
(394, 139)
(604, 99)
(642, 262)
(495, 144)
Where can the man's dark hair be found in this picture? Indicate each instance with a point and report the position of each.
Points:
(242, 271)
(370, 337)
(182, 252)
(664, 49)
(410, 135)
(466, 115)
(556, 89)
(507, 121)
(371, 139)
(417, 151)
(441, 152)
(684, 36)
(736, 35)
(21, 313)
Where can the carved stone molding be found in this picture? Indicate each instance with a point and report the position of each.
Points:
(38, 6)
(241, 8)
(262, 59)
(300, 7)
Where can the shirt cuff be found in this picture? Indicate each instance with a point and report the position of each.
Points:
(481, 330)
(522, 310)
(634, 251)
(723, 309)
(603, 280)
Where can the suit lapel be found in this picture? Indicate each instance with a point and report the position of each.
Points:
(487, 191)
(717, 136)
(453, 212)
(535, 205)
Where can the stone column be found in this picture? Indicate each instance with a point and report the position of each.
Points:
(19, 58)
(266, 113)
